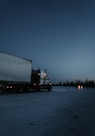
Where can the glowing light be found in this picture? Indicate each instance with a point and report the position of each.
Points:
(10, 86)
(7, 86)
(49, 83)
(44, 74)
(80, 87)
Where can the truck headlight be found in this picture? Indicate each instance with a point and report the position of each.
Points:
(49, 83)
(34, 84)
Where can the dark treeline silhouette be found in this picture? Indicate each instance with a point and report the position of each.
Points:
(86, 83)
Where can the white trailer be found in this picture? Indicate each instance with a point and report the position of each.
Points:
(13, 68)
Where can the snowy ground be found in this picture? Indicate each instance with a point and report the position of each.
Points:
(65, 111)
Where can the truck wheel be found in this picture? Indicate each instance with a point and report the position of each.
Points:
(49, 89)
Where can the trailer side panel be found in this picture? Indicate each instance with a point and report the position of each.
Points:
(13, 68)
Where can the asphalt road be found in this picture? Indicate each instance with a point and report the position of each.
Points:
(65, 111)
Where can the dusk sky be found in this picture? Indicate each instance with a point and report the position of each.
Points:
(57, 35)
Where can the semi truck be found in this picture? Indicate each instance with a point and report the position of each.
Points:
(17, 74)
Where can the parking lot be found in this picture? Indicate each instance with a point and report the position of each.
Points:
(63, 111)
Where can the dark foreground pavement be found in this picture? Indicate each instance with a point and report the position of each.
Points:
(62, 112)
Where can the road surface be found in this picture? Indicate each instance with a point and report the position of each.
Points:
(65, 111)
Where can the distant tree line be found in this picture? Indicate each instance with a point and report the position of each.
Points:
(86, 83)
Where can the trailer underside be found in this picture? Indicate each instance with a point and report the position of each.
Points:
(17, 87)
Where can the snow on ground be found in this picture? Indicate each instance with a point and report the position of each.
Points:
(63, 111)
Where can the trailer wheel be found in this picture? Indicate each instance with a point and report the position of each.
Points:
(20, 90)
(38, 89)
(28, 90)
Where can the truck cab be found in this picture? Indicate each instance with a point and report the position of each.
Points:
(40, 80)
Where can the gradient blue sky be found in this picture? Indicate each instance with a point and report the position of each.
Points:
(58, 35)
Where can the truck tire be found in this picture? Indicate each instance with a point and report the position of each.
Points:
(49, 89)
